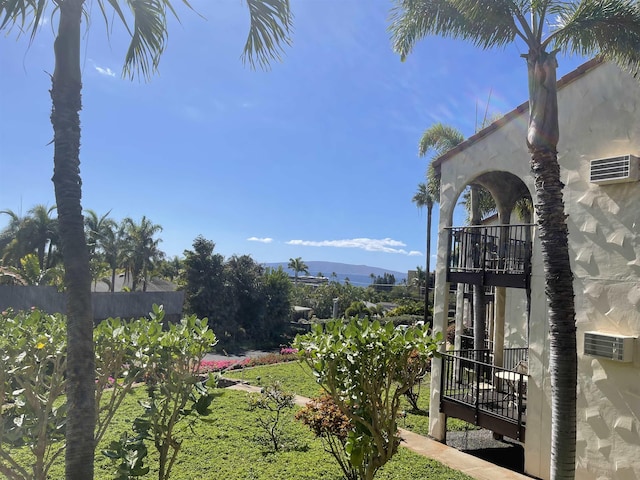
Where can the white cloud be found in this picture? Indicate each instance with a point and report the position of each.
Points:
(261, 240)
(387, 245)
(415, 253)
(105, 71)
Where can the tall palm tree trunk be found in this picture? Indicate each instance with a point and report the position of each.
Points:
(479, 306)
(112, 287)
(65, 118)
(427, 274)
(562, 326)
(542, 139)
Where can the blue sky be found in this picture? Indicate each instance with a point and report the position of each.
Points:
(316, 158)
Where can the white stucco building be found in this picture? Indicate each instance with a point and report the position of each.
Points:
(599, 110)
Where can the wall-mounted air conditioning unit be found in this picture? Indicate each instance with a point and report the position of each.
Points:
(609, 346)
(625, 168)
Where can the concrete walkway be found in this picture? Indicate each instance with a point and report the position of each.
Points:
(463, 462)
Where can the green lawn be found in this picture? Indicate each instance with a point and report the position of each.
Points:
(296, 377)
(225, 445)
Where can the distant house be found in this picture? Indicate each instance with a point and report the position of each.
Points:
(505, 385)
(309, 280)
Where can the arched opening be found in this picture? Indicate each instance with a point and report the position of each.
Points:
(488, 266)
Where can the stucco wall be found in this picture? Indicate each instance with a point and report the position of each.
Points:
(599, 117)
(604, 228)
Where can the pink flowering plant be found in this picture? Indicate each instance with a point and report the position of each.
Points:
(287, 354)
(207, 366)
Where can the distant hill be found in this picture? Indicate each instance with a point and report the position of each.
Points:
(359, 275)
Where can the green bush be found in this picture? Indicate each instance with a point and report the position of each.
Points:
(32, 385)
(328, 423)
(367, 367)
(408, 308)
(404, 319)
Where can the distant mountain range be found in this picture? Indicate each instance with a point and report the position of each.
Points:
(359, 275)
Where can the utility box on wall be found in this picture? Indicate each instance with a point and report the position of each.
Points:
(621, 169)
(610, 346)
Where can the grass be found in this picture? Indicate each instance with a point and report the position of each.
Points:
(296, 377)
(226, 443)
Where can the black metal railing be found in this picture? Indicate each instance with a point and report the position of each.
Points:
(511, 356)
(484, 394)
(495, 249)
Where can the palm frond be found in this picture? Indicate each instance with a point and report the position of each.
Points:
(487, 23)
(610, 28)
(433, 183)
(116, 7)
(440, 138)
(423, 197)
(271, 25)
(22, 14)
(148, 39)
(491, 23)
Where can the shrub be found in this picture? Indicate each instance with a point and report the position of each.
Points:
(367, 367)
(410, 308)
(171, 361)
(32, 383)
(274, 403)
(328, 423)
(404, 319)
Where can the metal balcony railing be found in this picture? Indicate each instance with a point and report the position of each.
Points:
(483, 394)
(498, 255)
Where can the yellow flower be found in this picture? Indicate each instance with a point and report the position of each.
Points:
(40, 345)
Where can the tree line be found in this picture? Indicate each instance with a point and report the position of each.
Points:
(30, 252)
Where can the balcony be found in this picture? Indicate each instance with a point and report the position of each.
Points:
(496, 255)
(486, 395)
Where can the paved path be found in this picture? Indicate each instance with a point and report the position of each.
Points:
(463, 462)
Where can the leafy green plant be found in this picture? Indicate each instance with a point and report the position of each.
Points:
(221, 448)
(358, 309)
(367, 367)
(328, 423)
(118, 367)
(408, 308)
(171, 361)
(32, 384)
(274, 403)
(128, 453)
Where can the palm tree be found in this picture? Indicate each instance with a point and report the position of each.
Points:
(297, 265)
(439, 138)
(610, 28)
(141, 250)
(11, 248)
(423, 198)
(477, 201)
(97, 229)
(43, 231)
(37, 233)
(483, 201)
(100, 231)
(270, 22)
